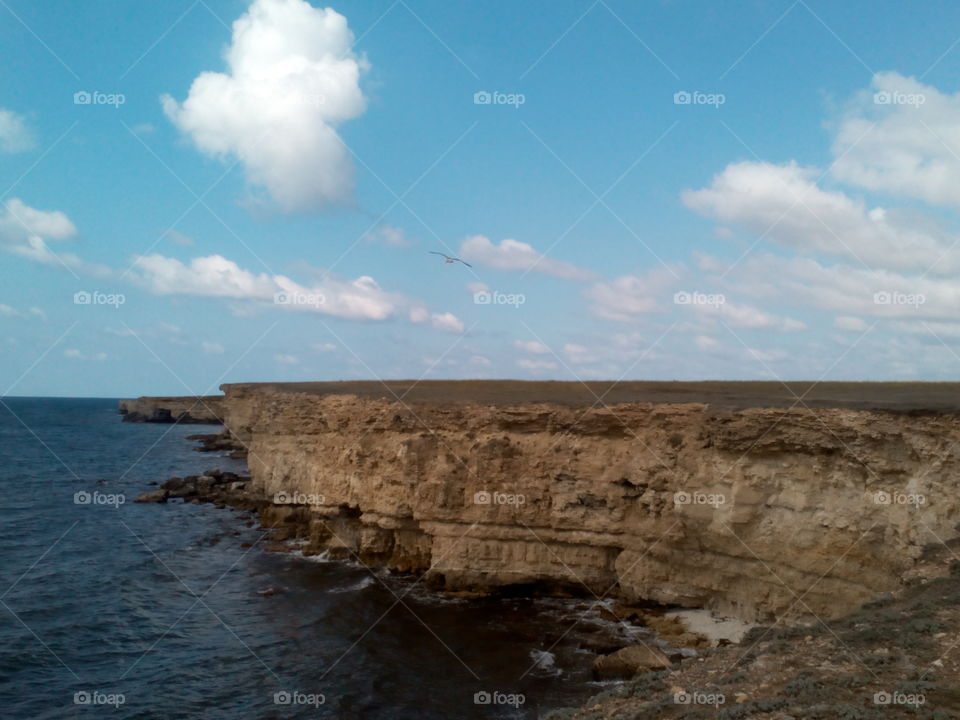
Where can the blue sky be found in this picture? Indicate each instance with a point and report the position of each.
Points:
(252, 191)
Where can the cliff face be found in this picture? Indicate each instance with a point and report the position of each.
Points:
(201, 410)
(761, 513)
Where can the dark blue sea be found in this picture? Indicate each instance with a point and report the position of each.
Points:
(114, 609)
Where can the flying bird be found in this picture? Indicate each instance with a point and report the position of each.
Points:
(450, 259)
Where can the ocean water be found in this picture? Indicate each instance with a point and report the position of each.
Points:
(114, 609)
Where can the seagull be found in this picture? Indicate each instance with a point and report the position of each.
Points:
(450, 259)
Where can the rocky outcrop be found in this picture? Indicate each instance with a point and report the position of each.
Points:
(197, 410)
(760, 513)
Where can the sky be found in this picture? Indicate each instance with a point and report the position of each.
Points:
(197, 192)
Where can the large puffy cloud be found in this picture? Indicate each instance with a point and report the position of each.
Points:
(901, 137)
(783, 204)
(292, 79)
(15, 136)
(516, 255)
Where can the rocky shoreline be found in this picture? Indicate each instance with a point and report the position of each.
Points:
(836, 530)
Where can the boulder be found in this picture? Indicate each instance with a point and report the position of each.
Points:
(627, 662)
(157, 496)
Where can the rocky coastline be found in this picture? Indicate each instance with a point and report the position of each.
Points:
(792, 518)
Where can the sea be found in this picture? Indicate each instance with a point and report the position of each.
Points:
(110, 608)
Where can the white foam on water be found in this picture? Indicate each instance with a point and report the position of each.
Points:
(545, 661)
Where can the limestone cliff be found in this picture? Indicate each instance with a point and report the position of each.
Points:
(200, 410)
(760, 512)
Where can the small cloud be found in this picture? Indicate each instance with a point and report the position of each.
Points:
(579, 354)
(287, 359)
(389, 235)
(8, 311)
(73, 354)
(532, 346)
(144, 128)
(178, 238)
(529, 364)
(15, 136)
(38, 312)
(324, 347)
(705, 342)
(849, 323)
(477, 287)
(480, 360)
(210, 348)
(447, 322)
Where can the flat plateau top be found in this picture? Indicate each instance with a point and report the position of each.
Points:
(894, 396)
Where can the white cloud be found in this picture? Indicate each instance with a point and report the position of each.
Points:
(528, 364)
(292, 79)
(628, 296)
(904, 146)
(480, 360)
(15, 136)
(477, 287)
(783, 204)
(8, 311)
(324, 347)
(210, 348)
(447, 322)
(389, 235)
(287, 359)
(216, 276)
(849, 323)
(705, 342)
(178, 238)
(24, 231)
(579, 354)
(520, 256)
(73, 354)
(742, 315)
(532, 346)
